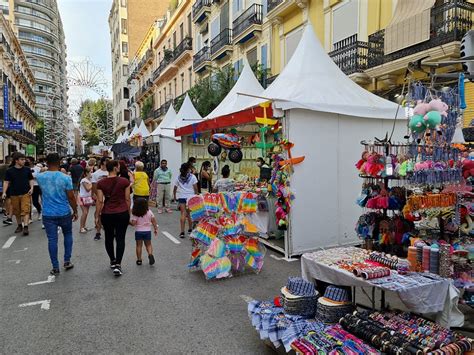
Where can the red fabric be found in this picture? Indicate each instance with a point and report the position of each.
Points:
(232, 120)
(114, 195)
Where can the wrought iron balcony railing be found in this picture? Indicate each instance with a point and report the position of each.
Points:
(449, 23)
(185, 45)
(204, 55)
(221, 40)
(198, 6)
(273, 4)
(350, 55)
(24, 105)
(252, 16)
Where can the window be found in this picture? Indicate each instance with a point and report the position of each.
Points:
(123, 3)
(215, 27)
(174, 39)
(291, 42)
(126, 115)
(264, 56)
(126, 93)
(252, 56)
(237, 68)
(123, 24)
(125, 70)
(181, 31)
(345, 21)
(182, 83)
(125, 48)
(237, 7)
(190, 75)
(264, 7)
(190, 26)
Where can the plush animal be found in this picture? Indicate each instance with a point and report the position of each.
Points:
(467, 168)
(433, 120)
(360, 165)
(281, 215)
(417, 124)
(373, 166)
(439, 106)
(421, 108)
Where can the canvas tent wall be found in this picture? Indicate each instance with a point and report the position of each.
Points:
(326, 116)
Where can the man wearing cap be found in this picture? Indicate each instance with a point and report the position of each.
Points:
(19, 182)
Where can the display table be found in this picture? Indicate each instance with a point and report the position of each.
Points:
(419, 292)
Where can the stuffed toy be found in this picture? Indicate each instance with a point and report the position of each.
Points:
(417, 124)
(439, 106)
(373, 166)
(424, 165)
(467, 168)
(421, 108)
(433, 120)
(281, 218)
(360, 165)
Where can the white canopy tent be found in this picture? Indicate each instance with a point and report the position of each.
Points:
(233, 102)
(170, 117)
(326, 117)
(119, 138)
(143, 130)
(134, 131)
(125, 136)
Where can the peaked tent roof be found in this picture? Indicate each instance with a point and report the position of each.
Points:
(170, 117)
(119, 138)
(187, 114)
(234, 102)
(311, 80)
(134, 131)
(125, 136)
(143, 130)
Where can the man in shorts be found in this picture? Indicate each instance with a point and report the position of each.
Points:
(19, 181)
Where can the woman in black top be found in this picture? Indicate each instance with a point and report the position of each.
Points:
(205, 178)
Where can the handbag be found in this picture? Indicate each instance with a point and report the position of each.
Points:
(87, 201)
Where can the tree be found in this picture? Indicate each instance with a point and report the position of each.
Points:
(40, 137)
(147, 107)
(93, 118)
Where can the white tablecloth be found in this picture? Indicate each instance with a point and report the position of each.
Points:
(438, 296)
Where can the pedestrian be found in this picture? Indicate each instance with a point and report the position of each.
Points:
(85, 197)
(92, 163)
(205, 177)
(113, 206)
(19, 182)
(143, 219)
(96, 177)
(64, 167)
(185, 187)
(76, 172)
(225, 184)
(36, 169)
(162, 177)
(58, 200)
(83, 163)
(265, 170)
(7, 206)
(141, 184)
(124, 172)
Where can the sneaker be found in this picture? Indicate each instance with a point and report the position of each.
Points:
(97, 236)
(112, 264)
(181, 235)
(19, 229)
(190, 231)
(160, 210)
(151, 259)
(42, 226)
(26, 231)
(54, 272)
(169, 210)
(139, 262)
(68, 265)
(118, 270)
(8, 221)
(39, 217)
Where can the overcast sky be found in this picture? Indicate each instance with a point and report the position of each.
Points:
(87, 33)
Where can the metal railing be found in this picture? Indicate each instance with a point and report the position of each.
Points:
(252, 16)
(204, 55)
(272, 4)
(198, 5)
(449, 22)
(221, 40)
(185, 45)
(25, 106)
(350, 55)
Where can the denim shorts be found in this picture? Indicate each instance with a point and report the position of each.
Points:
(182, 201)
(143, 235)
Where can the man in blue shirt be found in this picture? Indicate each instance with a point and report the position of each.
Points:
(58, 199)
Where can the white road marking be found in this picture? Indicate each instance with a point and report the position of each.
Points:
(170, 237)
(50, 279)
(246, 298)
(19, 251)
(9, 242)
(45, 304)
(14, 261)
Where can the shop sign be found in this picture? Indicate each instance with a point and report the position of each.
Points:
(6, 112)
(30, 150)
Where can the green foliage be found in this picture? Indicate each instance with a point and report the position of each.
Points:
(261, 73)
(178, 102)
(208, 92)
(40, 137)
(147, 107)
(173, 5)
(93, 115)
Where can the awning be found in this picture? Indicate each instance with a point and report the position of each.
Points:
(227, 121)
(410, 25)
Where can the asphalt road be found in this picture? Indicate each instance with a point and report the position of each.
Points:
(163, 309)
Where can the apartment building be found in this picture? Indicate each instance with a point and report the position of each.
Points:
(118, 27)
(38, 25)
(17, 108)
(227, 31)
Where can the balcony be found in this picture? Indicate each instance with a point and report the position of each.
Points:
(273, 4)
(246, 25)
(24, 107)
(221, 45)
(350, 55)
(449, 23)
(201, 9)
(202, 60)
(166, 68)
(183, 50)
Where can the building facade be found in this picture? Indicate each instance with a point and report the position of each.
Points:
(38, 25)
(119, 45)
(17, 113)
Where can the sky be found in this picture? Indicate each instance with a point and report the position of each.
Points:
(87, 36)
